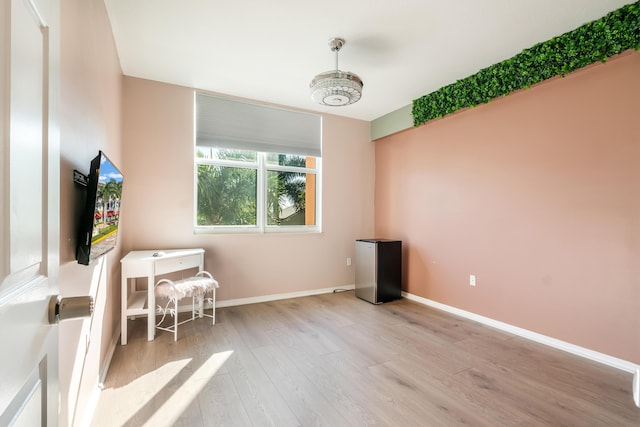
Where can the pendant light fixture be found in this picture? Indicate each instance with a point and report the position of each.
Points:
(336, 88)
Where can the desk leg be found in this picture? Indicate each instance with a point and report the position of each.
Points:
(201, 300)
(151, 307)
(123, 317)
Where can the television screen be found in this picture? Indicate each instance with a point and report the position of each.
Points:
(101, 215)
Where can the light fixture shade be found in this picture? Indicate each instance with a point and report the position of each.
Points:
(336, 88)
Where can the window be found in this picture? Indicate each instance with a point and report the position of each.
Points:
(291, 189)
(257, 167)
(240, 190)
(227, 187)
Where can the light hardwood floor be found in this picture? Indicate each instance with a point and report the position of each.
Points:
(335, 360)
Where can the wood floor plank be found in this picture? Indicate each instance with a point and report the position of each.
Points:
(420, 396)
(253, 332)
(336, 360)
(456, 395)
(327, 313)
(310, 332)
(446, 328)
(176, 403)
(303, 398)
(552, 406)
(259, 396)
(381, 398)
(348, 400)
(220, 403)
(368, 340)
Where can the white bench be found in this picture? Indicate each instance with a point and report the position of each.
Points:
(195, 287)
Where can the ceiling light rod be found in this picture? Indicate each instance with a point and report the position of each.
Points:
(336, 88)
(335, 45)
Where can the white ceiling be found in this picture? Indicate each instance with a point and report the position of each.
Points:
(269, 50)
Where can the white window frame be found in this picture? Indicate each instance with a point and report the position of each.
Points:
(262, 168)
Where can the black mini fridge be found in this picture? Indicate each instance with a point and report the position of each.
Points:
(378, 270)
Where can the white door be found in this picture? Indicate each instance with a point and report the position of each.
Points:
(29, 210)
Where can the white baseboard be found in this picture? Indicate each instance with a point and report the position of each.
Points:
(636, 387)
(107, 361)
(605, 359)
(275, 297)
(92, 404)
(265, 298)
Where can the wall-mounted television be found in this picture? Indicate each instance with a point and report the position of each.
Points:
(100, 217)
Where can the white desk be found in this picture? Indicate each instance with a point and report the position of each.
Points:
(144, 264)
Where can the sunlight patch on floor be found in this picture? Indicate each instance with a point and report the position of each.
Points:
(188, 390)
(144, 388)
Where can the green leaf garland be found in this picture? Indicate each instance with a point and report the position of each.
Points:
(596, 41)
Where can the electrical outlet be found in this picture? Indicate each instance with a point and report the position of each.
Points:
(348, 262)
(472, 280)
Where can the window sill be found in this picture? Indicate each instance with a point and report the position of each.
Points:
(257, 230)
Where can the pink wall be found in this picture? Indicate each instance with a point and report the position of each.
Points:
(538, 195)
(91, 85)
(159, 198)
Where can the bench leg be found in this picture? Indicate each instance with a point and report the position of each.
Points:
(213, 307)
(175, 321)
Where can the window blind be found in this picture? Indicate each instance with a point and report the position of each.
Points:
(226, 123)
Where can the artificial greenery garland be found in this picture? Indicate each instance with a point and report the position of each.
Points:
(596, 41)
